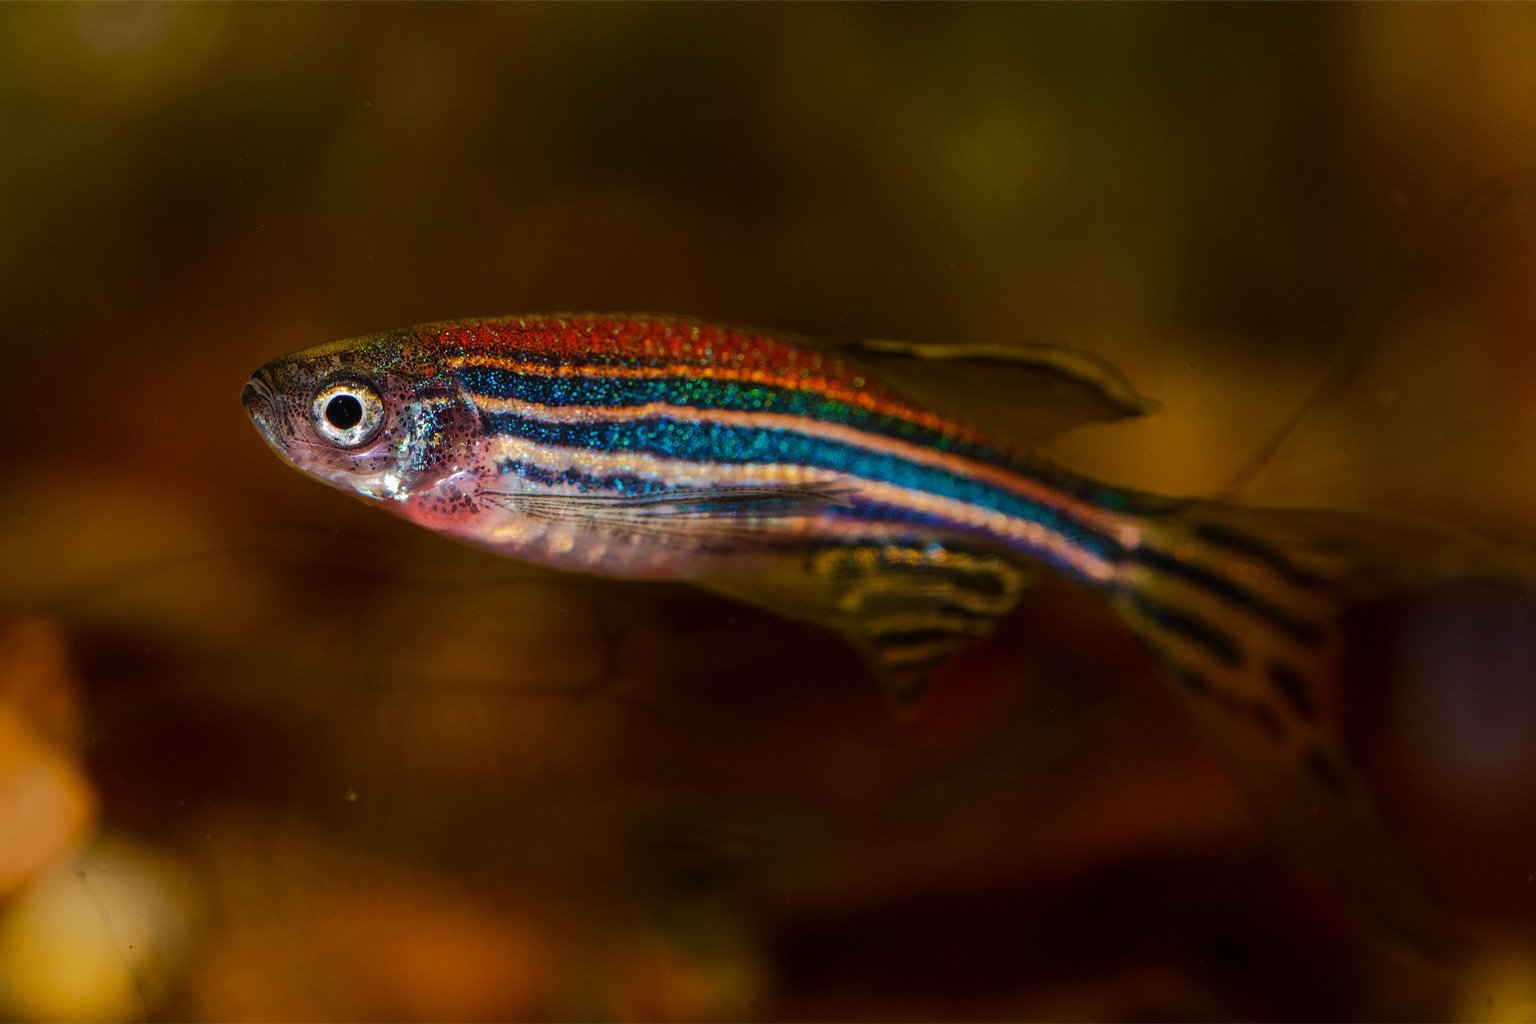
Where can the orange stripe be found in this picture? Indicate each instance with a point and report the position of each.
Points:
(868, 396)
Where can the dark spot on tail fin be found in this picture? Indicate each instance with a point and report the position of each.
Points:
(1326, 769)
(1295, 689)
(1239, 708)
(1255, 550)
(1194, 682)
(1267, 719)
(1164, 616)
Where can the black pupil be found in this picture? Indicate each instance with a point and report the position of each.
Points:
(344, 412)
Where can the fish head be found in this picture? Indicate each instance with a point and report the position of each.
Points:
(376, 416)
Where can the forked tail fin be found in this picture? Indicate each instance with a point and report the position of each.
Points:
(1250, 610)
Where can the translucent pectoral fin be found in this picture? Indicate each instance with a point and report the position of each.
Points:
(907, 607)
(741, 514)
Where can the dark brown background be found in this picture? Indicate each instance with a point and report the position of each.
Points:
(348, 770)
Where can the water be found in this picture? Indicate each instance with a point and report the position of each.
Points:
(281, 757)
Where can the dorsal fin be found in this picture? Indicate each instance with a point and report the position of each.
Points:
(907, 606)
(1024, 394)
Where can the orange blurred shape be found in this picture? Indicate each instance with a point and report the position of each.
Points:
(1500, 986)
(47, 805)
(391, 946)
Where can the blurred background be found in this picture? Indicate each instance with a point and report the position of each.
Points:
(268, 754)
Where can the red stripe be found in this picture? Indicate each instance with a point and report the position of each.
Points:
(647, 346)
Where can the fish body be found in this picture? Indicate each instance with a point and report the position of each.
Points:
(679, 447)
(828, 483)
(749, 462)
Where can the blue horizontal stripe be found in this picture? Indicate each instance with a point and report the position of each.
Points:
(702, 393)
(493, 382)
(733, 445)
(625, 484)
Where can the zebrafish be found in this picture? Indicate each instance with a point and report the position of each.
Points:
(877, 489)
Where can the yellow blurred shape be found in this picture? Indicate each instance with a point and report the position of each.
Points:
(1500, 987)
(99, 937)
(46, 802)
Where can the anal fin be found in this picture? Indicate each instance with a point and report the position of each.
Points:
(909, 607)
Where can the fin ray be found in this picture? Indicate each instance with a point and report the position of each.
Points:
(1024, 394)
(908, 607)
(704, 514)
(1251, 610)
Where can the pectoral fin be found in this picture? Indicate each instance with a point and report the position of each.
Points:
(735, 513)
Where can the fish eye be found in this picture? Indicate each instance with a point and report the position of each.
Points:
(347, 413)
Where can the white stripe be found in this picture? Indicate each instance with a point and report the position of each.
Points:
(1014, 483)
(1026, 533)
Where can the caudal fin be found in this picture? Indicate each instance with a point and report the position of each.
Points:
(1253, 613)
